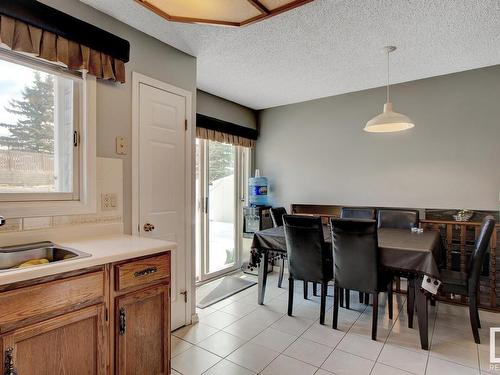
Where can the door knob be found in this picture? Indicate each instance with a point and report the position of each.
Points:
(149, 227)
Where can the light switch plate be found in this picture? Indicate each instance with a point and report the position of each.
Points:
(121, 145)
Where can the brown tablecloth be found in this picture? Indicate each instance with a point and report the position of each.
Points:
(400, 249)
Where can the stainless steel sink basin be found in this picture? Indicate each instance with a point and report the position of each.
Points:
(12, 256)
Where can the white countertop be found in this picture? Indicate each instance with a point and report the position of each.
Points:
(103, 249)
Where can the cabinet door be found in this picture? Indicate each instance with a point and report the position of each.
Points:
(143, 332)
(74, 343)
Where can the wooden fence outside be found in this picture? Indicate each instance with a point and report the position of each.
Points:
(26, 168)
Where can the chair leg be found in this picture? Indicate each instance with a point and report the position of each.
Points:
(361, 297)
(375, 316)
(474, 318)
(282, 271)
(367, 298)
(290, 295)
(341, 297)
(336, 291)
(347, 299)
(324, 288)
(306, 289)
(477, 313)
(390, 299)
(315, 289)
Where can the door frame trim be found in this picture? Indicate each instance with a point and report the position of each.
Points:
(137, 79)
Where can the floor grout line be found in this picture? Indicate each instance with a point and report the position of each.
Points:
(387, 338)
(279, 296)
(431, 338)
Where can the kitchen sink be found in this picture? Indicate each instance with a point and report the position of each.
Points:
(12, 256)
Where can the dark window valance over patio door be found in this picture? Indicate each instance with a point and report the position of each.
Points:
(35, 28)
(225, 132)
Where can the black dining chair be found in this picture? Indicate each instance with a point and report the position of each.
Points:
(398, 219)
(356, 262)
(277, 218)
(309, 256)
(467, 283)
(356, 213)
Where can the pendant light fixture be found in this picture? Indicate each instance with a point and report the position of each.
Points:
(389, 121)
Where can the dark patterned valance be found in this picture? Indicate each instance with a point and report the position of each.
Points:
(34, 28)
(224, 132)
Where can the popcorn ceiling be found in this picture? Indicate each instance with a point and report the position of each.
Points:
(328, 47)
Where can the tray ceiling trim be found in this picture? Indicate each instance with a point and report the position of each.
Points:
(249, 12)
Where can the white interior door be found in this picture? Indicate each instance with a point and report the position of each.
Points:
(162, 181)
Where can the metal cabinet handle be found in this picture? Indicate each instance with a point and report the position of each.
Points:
(146, 271)
(9, 368)
(148, 227)
(122, 322)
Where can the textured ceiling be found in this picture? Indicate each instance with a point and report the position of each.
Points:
(328, 47)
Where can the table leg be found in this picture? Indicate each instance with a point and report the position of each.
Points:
(423, 318)
(264, 261)
(410, 301)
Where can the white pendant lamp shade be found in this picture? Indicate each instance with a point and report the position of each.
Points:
(389, 121)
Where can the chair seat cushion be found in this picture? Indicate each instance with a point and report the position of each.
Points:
(454, 282)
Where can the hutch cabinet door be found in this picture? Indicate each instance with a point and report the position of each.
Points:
(142, 331)
(74, 343)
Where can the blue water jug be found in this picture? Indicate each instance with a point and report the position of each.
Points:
(257, 190)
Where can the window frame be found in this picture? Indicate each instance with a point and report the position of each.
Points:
(82, 199)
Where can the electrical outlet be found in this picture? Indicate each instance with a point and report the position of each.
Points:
(121, 145)
(109, 201)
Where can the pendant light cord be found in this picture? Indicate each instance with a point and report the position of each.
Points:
(388, 64)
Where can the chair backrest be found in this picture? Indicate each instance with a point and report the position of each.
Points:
(355, 254)
(309, 257)
(399, 219)
(477, 257)
(277, 216)
(357, 213)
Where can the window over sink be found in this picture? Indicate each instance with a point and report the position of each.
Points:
(47, 137)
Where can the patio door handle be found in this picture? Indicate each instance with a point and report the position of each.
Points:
(206, 205)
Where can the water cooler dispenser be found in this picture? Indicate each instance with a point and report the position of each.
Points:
(257, 215)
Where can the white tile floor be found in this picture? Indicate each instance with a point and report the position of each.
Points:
(238, 337)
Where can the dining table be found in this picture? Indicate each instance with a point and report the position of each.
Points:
(403, 251)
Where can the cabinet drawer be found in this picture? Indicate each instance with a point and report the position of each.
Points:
(142, 271)
(30, 303)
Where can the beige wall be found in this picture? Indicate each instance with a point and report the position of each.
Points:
(222, 109)
(317, 151)
(147, 56)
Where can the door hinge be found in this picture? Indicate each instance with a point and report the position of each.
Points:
(76, 138)
(122, 322)
(185, 293)
(9, 368)
(185, 124)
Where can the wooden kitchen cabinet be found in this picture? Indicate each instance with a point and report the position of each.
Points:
(111, 319)
(142, 342)
(73, 343)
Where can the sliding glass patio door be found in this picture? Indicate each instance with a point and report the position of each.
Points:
(219, 193)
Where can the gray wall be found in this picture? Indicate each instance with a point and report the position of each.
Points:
(222, 109)
(317, 151)
(114, 113)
